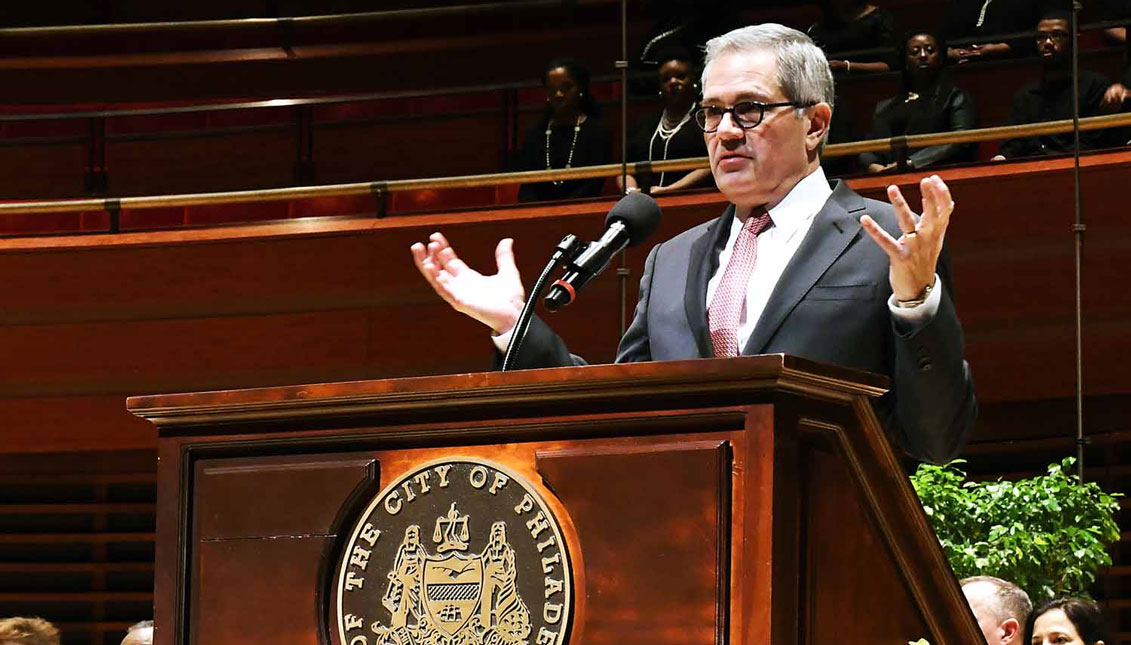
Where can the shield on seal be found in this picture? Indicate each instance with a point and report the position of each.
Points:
(452, 587)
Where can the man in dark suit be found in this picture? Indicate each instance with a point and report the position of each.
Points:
(787, 267)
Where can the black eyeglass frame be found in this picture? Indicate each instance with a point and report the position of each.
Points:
(701, 113)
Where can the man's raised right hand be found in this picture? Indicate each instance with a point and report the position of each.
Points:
(494, 300)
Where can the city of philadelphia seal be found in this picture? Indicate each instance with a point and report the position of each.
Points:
(455, 552)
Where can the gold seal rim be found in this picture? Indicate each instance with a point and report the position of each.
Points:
(527, 485)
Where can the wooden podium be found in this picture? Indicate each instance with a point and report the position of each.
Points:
(750, 500)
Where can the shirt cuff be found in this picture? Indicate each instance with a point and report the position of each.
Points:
(911, 319)
(502, 340)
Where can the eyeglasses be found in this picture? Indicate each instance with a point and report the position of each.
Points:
(1055, 34)
(746, 114)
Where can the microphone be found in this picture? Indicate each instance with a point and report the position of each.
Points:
(630, 221)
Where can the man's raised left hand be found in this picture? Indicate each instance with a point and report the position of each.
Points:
(916, 253)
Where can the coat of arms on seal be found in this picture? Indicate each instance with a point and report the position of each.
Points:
(456, 552)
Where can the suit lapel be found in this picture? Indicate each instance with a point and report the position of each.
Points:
(702, 264)
(834, 227)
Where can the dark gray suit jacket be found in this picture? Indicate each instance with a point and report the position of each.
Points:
(830, 305)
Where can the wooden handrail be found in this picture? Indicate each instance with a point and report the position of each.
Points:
(496, 179)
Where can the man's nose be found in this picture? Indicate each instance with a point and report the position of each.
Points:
(728, 129)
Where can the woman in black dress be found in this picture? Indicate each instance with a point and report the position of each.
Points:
(855, 35)
(672, 133)
(570, 134)
(927, 102)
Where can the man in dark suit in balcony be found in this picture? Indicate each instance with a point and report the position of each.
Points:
(1051, 98)
(788, 267)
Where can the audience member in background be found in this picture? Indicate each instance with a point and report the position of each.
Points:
(569, 134)
(139, 634)
(28, 631)
(1001, 608)
(1050, 98)
(987, 23)
(848, 29)
(842, 129)
(686, 24)
(672, 134)
(1067, 621)
(927, 102)
(1118, 94)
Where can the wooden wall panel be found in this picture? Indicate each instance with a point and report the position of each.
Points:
(333, 299)
(46, 423)
(176, 354)
(165, 275)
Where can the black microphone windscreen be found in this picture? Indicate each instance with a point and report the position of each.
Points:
(640, 214)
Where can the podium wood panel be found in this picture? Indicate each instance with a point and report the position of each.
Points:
(643, 513)
(746, 500)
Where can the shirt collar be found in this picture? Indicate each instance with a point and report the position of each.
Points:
(802, 203)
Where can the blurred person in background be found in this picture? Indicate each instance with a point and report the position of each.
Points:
(1067, 621)
(28, 631)
(1118, 95)
(927, 102)
(570, 134)
(988, 29)
(1001, 608)
(671, 133)
(139, 634)
(846, 31)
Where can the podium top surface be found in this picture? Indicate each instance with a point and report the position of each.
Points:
(597, 384)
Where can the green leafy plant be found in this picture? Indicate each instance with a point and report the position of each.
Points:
(1048, 534)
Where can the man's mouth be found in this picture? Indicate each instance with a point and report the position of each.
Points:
(731, 160)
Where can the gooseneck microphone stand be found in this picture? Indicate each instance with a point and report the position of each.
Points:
(622, 64)
(567, 251)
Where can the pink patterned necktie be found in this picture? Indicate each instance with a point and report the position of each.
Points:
(730, 296)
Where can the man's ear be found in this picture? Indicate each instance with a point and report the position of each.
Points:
(820, 115)
(1011, 631)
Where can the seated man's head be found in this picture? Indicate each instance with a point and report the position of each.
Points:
(1054, 37)
(139, 634)
(28, 631)
(1001, 608)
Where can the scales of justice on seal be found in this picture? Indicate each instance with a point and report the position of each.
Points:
(747, 500)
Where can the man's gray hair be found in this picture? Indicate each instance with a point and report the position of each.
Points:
(1012, 601)
(803, 70)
